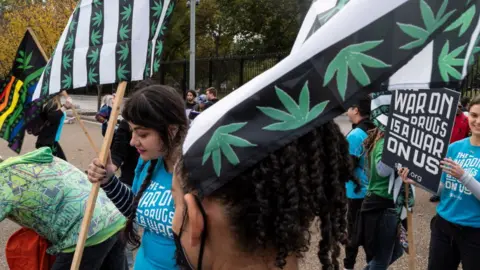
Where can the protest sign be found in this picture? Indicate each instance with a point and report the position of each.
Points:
(418, 133)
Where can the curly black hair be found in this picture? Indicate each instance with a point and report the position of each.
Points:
(273, 204)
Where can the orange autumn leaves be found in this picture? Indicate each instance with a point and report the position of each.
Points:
(47, 19)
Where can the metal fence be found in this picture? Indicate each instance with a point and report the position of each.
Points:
(471, 83)
(224, 73)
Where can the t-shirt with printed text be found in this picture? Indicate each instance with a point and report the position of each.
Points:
(457, 204)
(155, 214)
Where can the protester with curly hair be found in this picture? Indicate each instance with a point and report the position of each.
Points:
(156, 115)
(261, 219)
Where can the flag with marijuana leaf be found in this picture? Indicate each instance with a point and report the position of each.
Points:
(16, 108)
(28, 60)
(401, 44)
(100, 47)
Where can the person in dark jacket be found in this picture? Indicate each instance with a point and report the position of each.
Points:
(124, 156)
(49, 136)
(211, 96)
(191, 96)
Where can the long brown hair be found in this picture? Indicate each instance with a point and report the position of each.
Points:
(158, 107)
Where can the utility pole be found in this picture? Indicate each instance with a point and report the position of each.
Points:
(191, 84)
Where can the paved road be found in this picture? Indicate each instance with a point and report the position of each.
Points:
(80, 154)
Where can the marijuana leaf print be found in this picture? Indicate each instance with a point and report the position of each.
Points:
(95, 37)
(221, 142)
(24, 61)
(69, 43)
(126, 13)
(170, 9)
(447, 61)
(159, 48)
(463, 22)
(124, 51)
(97, 20)
(157, 7)
(352, 58)
(124, 31)
(121, 72)
(329, 14)
(67, 81)
(431, 22)
(156, 65)
(67, 61)
(92, 75)
(93, 56)
(296, 115)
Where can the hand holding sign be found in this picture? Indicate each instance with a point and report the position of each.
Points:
(403, 172)
(452, 168)
(418, 133)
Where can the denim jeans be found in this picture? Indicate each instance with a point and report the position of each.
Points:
(387, 244)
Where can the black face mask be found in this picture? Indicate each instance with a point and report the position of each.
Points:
(180, 255)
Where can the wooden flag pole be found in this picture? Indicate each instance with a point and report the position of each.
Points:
(64, 93)
(92, 198)
(411, 240)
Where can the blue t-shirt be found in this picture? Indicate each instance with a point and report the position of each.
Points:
(355, 146)
(155, 214)
(457, 204)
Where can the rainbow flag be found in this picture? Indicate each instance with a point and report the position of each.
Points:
(16, 106)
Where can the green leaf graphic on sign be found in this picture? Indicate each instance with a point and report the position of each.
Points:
(95, 37)
(221, 142)
(159, 48)
(126, 13)
(463, 22)
(124, 32)
(67, 81)
(67, 61)
(124, 51)
(93, 56)
(447, 61)
(97, 20)
(92, 76)
(121, 72)
(69, 43)
(157, 7)
(329, 14)
(97, 2)
(296, 115)
(353, 58)
(431, 22)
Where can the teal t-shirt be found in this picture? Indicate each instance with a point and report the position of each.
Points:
(457, 204)
(355, 145)
(155, 214)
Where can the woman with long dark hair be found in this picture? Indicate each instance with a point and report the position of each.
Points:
(156, 115)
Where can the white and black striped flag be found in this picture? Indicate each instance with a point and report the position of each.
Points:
(100, 47)
(358, 47)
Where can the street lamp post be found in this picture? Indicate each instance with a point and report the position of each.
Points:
(191, 84)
